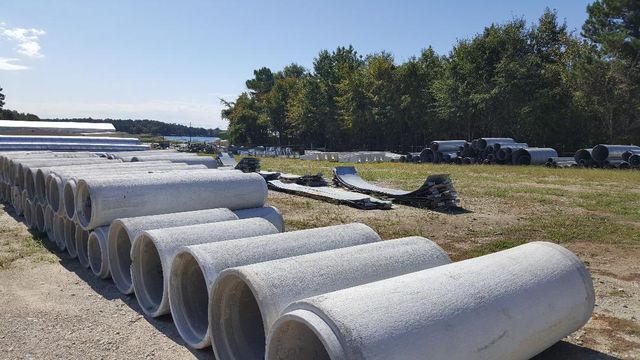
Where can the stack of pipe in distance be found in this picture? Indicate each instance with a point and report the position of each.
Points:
(609, 156)
(509, 305)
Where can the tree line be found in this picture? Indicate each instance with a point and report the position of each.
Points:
(538, 83)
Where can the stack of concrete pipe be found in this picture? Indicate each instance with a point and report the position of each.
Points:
(200, 244)
(609, 156)
(485, 151)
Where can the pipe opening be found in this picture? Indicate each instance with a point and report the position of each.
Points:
(83, 208)
(94, 253)
(82, 240)
(190, 296)
(240, 320)
(70, 237)
(53, 195)
(29, 184)
(120, 257)
(39, 217)
(149, 277)
(295, 340)
(69, 199)
(40, 186)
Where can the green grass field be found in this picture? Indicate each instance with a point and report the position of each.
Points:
(513, 204)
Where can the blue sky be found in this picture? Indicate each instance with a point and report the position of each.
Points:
(172, 60)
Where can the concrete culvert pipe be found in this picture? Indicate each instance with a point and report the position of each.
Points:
(604, 152)
(247, 300)
(70, 237)
(39, 215)
(509, 305)
(153, 251)
(82, 244)
(55, 182)
(197, 267)
(58, 232)
(98, 202)
(48, 223)
(97, 252)
(16, 200)
(68, 194)
(21, 167)
(532, 156)
(28, 209)
(123, 231)
(208, 161)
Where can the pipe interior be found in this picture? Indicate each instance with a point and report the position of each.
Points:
(39, 217)
(150, 275)
(122, 256)
(94, 253)
(29, 184)
(82, 239)
(40, 185)
(192, 299)
(54, 194)
(69, 204)
(295, 340)
(241, 320)
(69, 237)
(84, 200)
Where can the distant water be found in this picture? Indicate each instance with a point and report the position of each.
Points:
(204, 139)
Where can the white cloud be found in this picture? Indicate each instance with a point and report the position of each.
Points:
(26, 39)
(199, 114)
(6, 64)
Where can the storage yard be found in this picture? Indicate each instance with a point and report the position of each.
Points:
(74, 297)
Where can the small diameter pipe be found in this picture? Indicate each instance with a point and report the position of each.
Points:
(197, 267)
(153, 251)
(508, 305)
(97, 252)
(99, 202)
(247, 300)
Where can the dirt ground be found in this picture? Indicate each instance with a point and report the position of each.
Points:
(53, 308)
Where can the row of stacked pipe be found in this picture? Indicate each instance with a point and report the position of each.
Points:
(485, 151)
(608, 156)
(199, 243)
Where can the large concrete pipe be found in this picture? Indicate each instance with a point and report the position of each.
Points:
(483, 143)
(247, 300)
(508, 305)
(153, 251)
(70, 237)
(82, 245)
(9, 159)
(532, 156)
(98, 202)
(14, 164)
(208, 161)
(55, 180)
(21, 167)
(446, 145)
(123, 231)
(16, 200)
(48, 223)
(196, 268)
(119, 154)
(97, 252)
(27, 212)
(58, 232)
(68, 194)
(163, 156)
(604, 152)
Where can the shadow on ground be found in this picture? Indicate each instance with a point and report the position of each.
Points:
(567, 351)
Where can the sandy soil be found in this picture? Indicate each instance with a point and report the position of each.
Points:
(57, 309)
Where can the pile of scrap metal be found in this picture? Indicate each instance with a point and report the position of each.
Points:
(609, 156)
(331, 194)
(437, 192)
(485, 151)
(306, 180)
(248, 164)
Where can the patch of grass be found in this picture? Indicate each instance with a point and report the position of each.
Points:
(18, 246)
(489, 248)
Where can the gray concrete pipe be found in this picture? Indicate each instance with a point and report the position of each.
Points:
(48, 223)
(13, 164)
(247, 300)
(7, 157)
(532, 156)
(82, 244)
(123, 231)
(66, 202)
(508, 305)
(119, 154)
(22, 166)
(196, 268)
(604, 152)
(27, 211)
(208, 161)
(97, 252)
(153, 251)
(98, 202)
(16, 200)
(39, 214)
